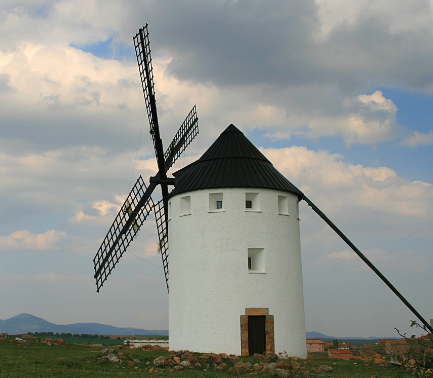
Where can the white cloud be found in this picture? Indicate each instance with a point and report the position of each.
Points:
(24, 240)
(418, 139)
(340, 184)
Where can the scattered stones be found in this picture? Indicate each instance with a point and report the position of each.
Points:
(325, 368)
(282, 373)
(296, 365)
(269, 367)
(261, 358)
(185, 363)
(113, 358)
(215, 358)
(190, 357)
(177, 360)
(159, 361)
(222, 366)
(283, 364)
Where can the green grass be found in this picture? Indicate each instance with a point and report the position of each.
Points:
(74, 360)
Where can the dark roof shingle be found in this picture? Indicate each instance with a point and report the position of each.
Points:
(232, 161)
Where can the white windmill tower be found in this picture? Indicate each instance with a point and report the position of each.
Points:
(233, 227)
(235, 257)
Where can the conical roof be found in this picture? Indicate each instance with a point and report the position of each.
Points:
(232, 161)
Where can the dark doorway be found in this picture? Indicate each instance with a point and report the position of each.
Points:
(256, 335)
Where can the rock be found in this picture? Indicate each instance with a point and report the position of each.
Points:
(120, 355)
(311, 362)
(137, 361)
(240, 365)
(159, 361)
(296, 365)
(113, 358)
(221, 367)
(282, 373)
(170, 362)
(223, 356)
(197, 364)
(260, 358)
(283, 364)
(185, 363)
(216, 358)
(272, 356)
(178, 367)
(325, 368)
(248, 365)
(177, 360)
(269, 367)
(190, 357)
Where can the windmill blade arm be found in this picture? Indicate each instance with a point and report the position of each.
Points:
(145, 67)
(161, 225)
(368, 262)
(128, 221)
(184, 136)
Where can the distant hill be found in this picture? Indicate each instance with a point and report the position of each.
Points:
(24, 323)
(317, 335)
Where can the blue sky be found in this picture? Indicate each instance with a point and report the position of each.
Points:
(336, 94)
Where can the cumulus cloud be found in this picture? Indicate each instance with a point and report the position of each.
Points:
(24, 240)
(418, 139)
(344, 184)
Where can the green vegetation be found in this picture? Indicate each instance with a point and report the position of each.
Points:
(35, 359)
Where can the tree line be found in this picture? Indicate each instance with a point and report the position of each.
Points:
(63, 335)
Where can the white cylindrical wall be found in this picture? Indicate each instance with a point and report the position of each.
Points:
(210, 283)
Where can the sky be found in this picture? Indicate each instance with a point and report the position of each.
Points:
(336, 94)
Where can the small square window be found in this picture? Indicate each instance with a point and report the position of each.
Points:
(256, 260)
(216, 201)
(252, 201)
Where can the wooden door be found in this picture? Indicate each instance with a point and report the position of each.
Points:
(256, 335)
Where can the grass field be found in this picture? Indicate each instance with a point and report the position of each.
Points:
(35, 359)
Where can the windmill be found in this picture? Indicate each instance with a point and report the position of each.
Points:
(139, 203)
(235, 258)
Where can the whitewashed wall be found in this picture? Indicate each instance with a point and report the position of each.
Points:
(210, 285)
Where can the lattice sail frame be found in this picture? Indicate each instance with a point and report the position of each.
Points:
(144, 60)
(115, 243)
(131, 217)
(184, 136)
(161, 226)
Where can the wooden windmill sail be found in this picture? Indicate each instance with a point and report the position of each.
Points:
(139, 202)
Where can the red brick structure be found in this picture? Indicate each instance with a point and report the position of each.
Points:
(314, 345)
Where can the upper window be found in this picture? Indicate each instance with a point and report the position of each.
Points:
(216, 202)
(283, 205)
(185, 205)
(252, 201)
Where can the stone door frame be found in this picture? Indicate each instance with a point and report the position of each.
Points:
(269, 329)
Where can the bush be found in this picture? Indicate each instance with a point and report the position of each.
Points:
(419, 358)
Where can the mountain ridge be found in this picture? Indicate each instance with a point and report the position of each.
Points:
(24, 323)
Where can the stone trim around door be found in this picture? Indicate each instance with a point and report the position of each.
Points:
(269, 329)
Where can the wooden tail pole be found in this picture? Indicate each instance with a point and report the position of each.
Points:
(368, 262)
